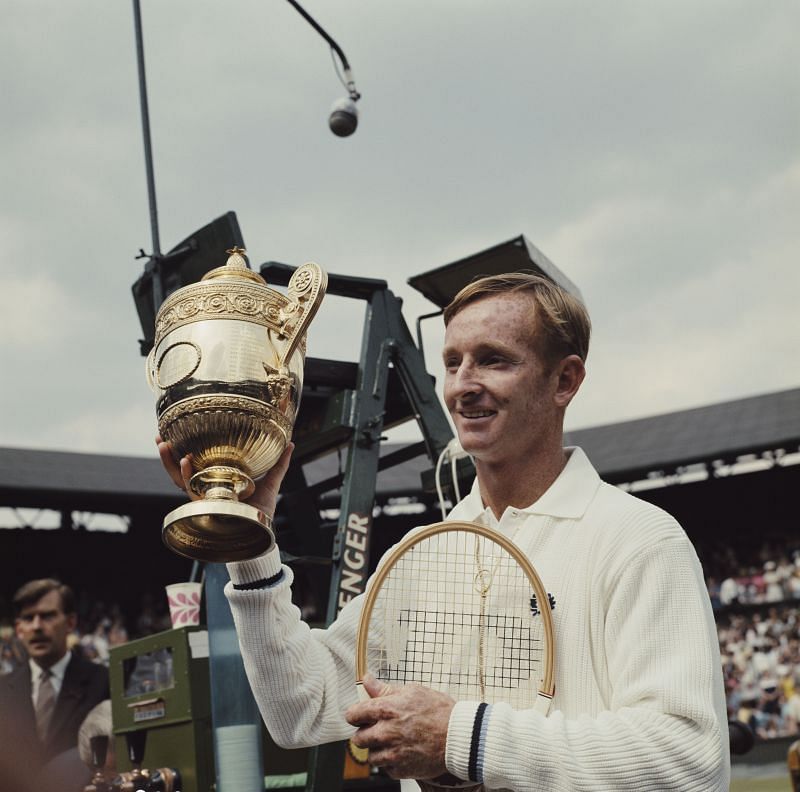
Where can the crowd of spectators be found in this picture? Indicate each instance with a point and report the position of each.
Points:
(761, 664)
(775, 581)
(758, 622)
(757, 607)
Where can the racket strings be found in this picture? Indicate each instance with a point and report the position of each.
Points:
(454, 613)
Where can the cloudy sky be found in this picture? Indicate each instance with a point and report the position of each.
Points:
(650, 149)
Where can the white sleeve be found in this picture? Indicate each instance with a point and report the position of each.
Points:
(662, 729)
(303, 679)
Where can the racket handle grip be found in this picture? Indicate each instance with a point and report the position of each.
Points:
(361, 692)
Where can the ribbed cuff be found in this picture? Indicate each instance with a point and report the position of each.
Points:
(466, 738)
(263, 568)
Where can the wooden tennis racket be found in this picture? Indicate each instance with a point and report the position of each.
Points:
(457, 607)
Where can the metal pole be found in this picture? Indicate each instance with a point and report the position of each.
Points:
(419, 330)
(148, 149)
(234, 713)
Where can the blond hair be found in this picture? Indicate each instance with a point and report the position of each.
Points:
(561, 319)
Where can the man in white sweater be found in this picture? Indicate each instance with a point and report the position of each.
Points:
(639, 701)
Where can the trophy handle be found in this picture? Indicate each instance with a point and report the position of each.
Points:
(306, 289)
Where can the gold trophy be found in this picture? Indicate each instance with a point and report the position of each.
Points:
(227, 371)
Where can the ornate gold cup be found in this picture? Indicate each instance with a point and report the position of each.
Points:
(227, 371)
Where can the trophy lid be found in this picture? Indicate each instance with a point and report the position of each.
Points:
(235, 267)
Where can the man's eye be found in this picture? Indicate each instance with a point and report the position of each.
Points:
(48, 616)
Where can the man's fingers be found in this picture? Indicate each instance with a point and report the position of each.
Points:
(179, 471)
(170, 464)
(375, 708)
(274, 476)
(187, 471)
(375, 687)
(266, 494)
(365, 737)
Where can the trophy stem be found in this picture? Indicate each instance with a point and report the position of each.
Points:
(222, 482)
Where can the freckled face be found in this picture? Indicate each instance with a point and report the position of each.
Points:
(497, 389)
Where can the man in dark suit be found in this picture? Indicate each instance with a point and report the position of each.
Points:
(44, 702)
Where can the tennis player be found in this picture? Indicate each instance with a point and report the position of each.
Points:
(639, 702)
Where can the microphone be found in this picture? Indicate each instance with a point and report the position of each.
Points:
(344, 117)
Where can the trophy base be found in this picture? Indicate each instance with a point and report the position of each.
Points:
(218, 531)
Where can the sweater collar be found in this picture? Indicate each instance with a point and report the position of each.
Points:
(568, 497)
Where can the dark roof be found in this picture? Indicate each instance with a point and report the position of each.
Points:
(99, 482)
(621, 452)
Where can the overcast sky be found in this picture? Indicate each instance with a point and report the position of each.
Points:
(649, 149)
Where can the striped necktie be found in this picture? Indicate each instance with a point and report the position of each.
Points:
(45, 701)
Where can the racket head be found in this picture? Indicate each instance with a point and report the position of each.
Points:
(457, 607)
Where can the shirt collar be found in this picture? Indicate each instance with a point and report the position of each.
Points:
(568, 497)
(57, 670)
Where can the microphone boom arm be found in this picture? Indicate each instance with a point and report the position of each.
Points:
(351, 86)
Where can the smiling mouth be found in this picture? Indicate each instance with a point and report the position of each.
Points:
(471, 414)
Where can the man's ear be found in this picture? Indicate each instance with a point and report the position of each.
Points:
(571, 373)
(72, 621)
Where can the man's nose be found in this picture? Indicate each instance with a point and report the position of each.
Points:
(464, 381)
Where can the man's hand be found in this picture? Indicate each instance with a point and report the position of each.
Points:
(264, 498)
(404, 728)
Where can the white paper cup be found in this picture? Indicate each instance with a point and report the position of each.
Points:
(184, 603)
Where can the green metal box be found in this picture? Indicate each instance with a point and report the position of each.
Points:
(160, 685)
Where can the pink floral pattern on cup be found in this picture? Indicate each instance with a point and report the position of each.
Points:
(184, 605)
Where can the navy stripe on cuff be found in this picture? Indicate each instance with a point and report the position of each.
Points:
(475, 773)
(260, 584)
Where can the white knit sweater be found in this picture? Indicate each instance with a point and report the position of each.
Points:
(639, 699)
